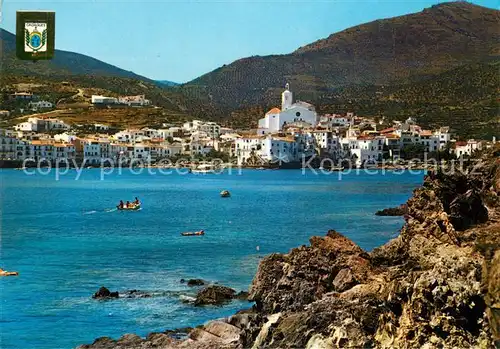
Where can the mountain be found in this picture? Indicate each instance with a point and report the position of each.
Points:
(396, 50)
(167, 83)
(64, 63)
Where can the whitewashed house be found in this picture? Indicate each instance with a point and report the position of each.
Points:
(34, 106)
(467, 148)
(103, 100)
(266, 149)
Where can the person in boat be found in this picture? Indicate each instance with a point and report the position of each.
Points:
(120, 205)
(136, 201)
(127, 205)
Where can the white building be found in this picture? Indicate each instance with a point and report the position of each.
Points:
(92, 151)
(103, 100)
(275, 119)
(211, 129)
(8, 146)
(266, 149)
(64, 151)
(129, 135)
(137, 101)
(326, 141)
(40, 125)
(467, 148)
(65, 137)
(363, 150)
(41, 149)
(101, 127)
(444, 136)
(40, 105)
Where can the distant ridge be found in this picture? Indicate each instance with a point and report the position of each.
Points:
(64, 63)
(167, 83)
(400, 49)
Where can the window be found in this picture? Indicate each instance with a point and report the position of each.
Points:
(297, 113)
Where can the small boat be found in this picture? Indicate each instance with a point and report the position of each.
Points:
(8, 273)
(204, 169)
(196, 233)
(225, 194)
(131, 208)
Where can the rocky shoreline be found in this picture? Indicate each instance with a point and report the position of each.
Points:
(437, 285)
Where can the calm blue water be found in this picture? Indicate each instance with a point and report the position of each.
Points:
(59, 237)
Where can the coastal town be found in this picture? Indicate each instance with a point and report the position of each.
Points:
(285, 136)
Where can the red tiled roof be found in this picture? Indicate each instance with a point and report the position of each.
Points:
(388, 130)
(274, 111)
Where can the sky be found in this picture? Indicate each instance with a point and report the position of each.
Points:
(181, 40)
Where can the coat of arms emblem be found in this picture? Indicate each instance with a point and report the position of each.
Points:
(35, 37)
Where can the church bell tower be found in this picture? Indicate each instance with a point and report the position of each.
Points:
(286, 98)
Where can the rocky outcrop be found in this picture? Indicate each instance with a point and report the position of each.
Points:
(214, 295)
(193, 282)
(393, 211)
(437, 285)
(104, 293)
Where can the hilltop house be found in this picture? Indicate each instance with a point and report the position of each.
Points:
(103, 100)
(34, 106)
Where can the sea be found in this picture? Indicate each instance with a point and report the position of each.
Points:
(64, 236)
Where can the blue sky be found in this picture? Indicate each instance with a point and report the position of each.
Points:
(181, 40)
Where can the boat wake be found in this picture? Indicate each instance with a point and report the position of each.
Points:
(111, 210)
(90, 212)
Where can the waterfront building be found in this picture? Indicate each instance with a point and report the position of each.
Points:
(41, 149)
(326, 141)
(64, 151)
(256, 150)
(8, 146)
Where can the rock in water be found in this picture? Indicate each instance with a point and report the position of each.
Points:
(214, 295)
(195, 282)
(393, 211)
(104, 293)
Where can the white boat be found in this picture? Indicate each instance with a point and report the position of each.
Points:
(204, 169)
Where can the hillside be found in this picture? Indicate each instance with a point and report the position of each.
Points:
(402, 49)
(82, 71)
(465, 98)
(64, 63)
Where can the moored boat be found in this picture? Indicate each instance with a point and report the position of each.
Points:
(204, 169)
(196, 233)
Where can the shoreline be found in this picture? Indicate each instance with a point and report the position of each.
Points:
(358, 298)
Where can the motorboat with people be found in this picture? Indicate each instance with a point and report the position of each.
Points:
(129, 206)
(195, 233)
(225, 194)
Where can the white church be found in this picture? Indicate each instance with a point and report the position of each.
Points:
(299, 112)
